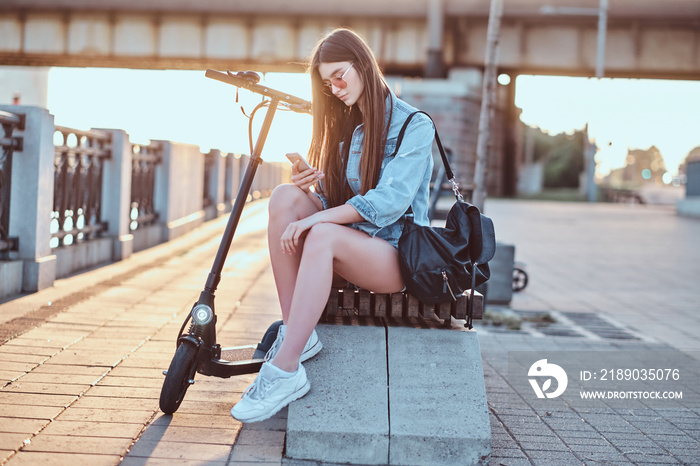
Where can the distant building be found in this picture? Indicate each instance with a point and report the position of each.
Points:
(641, 167)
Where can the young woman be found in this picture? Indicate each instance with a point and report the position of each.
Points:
(347, 228)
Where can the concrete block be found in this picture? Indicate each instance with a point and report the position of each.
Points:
(210, 212)
(116, 186)
(10, 277)
(122, 247)
(531, 178)
(80, 256)
(343, 418)
(179, 183)
(217, 181)
(688, 207)
(181, 226)
(39, 274)
(692, 185)
(499, 288)
(437, 398)
(147, 236)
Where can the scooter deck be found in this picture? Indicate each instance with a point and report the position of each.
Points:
(234, 361)
(239, 360)
(241, 353)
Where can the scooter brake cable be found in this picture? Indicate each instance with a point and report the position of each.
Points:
(262, 104)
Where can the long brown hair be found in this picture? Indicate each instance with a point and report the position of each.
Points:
(334, 122)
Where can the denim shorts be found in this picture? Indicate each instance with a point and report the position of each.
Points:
(390, 233)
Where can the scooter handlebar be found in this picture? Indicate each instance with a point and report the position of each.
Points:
(249, 80)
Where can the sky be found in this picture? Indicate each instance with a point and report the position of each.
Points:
(176, 105)
(621, 114)
(185, 106)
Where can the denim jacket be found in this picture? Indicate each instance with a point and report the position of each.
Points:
(404, 179)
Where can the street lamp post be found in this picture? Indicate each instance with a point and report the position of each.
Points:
(488, 96)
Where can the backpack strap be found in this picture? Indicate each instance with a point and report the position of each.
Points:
(448, 170)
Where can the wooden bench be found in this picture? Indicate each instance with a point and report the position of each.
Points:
(344, 302)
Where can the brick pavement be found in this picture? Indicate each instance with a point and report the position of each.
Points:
(85, 384)
(635, 264)
(82, 386)
(630, 433)
(637, 268)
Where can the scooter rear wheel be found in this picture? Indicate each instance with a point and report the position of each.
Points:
(177, 379)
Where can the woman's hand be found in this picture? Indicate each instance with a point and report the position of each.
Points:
(341, 215)
(294, 232)
(304, 179)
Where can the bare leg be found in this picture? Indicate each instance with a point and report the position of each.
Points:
(288, 204)
(370, 263)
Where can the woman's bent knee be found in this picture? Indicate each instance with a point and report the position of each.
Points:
(323, 232)
(324, 237)
(287, 197)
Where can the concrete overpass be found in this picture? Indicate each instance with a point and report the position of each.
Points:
(645, 38)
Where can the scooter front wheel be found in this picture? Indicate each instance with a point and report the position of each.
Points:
(177, 379)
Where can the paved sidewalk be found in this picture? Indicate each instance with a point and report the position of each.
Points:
(637, 265)
(80, 384)
(617, 278)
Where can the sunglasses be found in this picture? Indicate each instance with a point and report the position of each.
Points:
(338, 82)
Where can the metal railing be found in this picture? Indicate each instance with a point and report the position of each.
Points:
(77, 201)
(144, 160)
(8, 144)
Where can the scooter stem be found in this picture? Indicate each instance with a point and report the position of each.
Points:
(255, 160)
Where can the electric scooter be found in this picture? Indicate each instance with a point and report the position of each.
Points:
(197, 349)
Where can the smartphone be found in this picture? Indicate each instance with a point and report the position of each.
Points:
(294, 156)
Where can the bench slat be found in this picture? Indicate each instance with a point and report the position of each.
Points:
(413, 307)
(332, 305)
(364, 307)
(349, 301)
(397, 305)
(460, 311)
(427, 310)
(444, 310)
(380, 305)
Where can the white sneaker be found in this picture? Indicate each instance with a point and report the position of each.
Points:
(270, 392)
(311, 349)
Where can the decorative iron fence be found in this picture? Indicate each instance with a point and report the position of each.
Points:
(8, 144)
(144, 160)
(77, 199)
